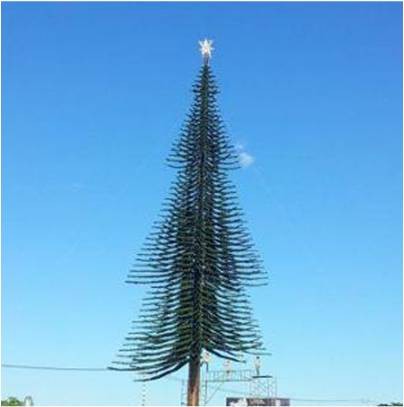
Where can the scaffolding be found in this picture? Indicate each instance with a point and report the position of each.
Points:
(259, 386)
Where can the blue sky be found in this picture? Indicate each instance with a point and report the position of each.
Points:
(94, 94)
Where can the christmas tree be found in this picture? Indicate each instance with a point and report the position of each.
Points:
(199, 259)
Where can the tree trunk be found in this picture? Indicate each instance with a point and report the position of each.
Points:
(193, 381)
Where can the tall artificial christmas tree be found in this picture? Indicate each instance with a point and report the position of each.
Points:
(198, 260)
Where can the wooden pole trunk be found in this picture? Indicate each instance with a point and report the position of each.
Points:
(194, 381)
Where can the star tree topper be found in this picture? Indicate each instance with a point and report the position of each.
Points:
(206, 49)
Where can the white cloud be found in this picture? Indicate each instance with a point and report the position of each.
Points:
(245, 159)
(77, 186)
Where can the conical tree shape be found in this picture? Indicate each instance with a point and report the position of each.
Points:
(199, 258)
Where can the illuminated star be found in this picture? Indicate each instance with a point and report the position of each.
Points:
(206, 49)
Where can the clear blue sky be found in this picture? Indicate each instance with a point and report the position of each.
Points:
(93, 97)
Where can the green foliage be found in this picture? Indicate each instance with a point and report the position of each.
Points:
(199, 259)
(12, 401)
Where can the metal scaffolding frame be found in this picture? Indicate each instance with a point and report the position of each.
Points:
(259, 386)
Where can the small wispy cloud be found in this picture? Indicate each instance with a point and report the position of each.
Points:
(245, 159)
(77, 186)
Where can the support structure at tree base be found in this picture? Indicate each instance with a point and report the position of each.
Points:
(262, 387)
